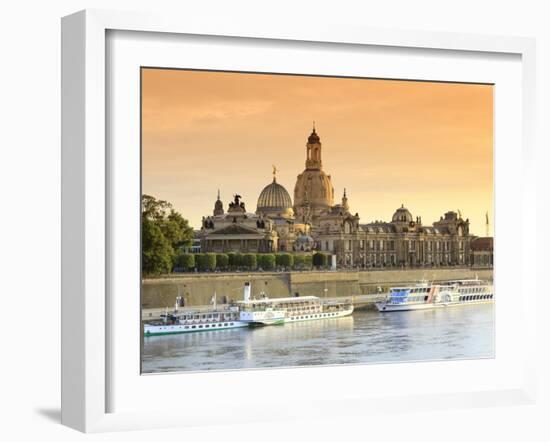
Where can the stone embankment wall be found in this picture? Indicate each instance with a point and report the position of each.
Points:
(198, 289)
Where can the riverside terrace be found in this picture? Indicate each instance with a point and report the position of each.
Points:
(197, 289)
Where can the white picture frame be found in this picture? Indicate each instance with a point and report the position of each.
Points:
(86, 210)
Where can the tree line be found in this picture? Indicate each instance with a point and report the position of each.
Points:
(204, 262)
(163, 233)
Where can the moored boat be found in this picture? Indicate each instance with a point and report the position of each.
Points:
(294, 309)
(188, 322)
(447, 294)
(248, 312)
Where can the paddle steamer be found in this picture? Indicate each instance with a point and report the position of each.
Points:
(248, 312)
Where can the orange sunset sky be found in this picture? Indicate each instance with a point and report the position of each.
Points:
(426, 145)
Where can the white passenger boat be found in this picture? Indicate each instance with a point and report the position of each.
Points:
(248, 312)
(188, 322)
(293, 309)
(427, 296)
(255, 313)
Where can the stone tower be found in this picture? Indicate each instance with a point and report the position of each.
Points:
(218, 205)
(313, 193)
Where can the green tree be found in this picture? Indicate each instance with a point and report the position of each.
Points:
(284, 260)
(222, 261)
(210, 261)
(205, 261)
(299, 261)
(186, 261)
(308, 261)
(199, 261)
(177, 230)
(320, 260)
(237, 260)
(266, 261)
(249, 261)
(172, 227)
(156, 252)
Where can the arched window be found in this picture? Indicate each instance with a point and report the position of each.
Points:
(347, 227)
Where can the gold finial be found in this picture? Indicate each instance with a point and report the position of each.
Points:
(313, 125)
(459, 213)
(274, 172)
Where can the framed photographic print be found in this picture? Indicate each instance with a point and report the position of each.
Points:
(259, 215)
(309, 261)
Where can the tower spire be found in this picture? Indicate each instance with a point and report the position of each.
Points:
(313, 158)
(345, 204)
(218, 206)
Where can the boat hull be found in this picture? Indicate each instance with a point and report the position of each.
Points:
(316, 316)
(278, 321)
(159, 330)
(385, 308)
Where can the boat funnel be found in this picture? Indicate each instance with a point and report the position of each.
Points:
(246, 294)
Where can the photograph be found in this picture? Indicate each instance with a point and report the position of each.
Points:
(292, 220)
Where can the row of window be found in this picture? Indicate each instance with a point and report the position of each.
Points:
(476, 297)
(390, 245)
(214, 317)
(208, 325)
(417, 298)
(469, 290)
(294, 318)
(187, 327)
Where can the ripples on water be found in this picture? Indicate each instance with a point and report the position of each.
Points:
(365, 337)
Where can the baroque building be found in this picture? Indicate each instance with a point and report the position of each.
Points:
(313, 192)
(236, 230)
(314, 222)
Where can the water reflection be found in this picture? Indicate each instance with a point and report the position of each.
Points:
(365, 337)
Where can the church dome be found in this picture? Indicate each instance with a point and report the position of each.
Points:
(313, 192)
(274, 200)
(402, 215)
(314, 188)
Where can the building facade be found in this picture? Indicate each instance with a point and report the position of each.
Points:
(481, 252)
(314, 222)
(237, 230)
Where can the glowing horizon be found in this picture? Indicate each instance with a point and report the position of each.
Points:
(426, 145)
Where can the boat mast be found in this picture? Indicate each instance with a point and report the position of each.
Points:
(246, 294)
(214, 300)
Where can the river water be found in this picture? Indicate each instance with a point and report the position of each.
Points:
(463, 332)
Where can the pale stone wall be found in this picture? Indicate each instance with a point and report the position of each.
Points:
(369, 281)
(199, 288)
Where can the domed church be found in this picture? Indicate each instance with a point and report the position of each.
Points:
(275, 201)
(313, 192)
(275, 204)
(315, 223)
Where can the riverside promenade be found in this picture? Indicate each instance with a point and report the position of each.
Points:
(358, 301)
(197, 289)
